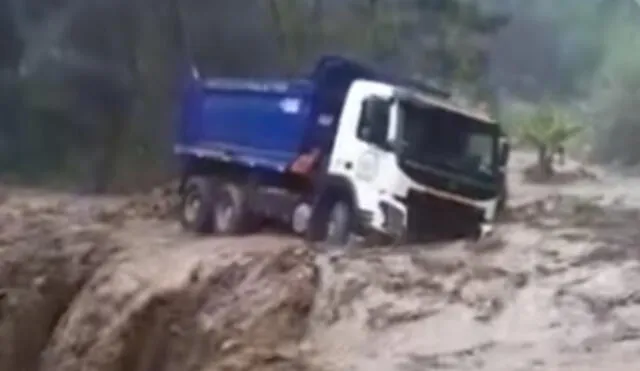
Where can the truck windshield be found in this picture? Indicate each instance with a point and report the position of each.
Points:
(445, 140)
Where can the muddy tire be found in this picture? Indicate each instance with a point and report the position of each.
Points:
(339, 224)
(332, 223)
(231, 212)
(196, 208)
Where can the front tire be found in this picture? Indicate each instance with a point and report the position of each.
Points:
(196, 214)
(339, 224)
(332, 223)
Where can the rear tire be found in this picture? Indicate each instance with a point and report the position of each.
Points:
(196, 214)
(231, 213)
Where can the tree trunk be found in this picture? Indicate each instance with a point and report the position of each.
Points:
(282, 38)
(106, 158)
(545, 162)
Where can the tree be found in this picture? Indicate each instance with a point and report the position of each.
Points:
(564, 46)
(459, 29)
(548, 130)
(100, 75)
(288, 19)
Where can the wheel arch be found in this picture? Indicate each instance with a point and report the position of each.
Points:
(338, 185)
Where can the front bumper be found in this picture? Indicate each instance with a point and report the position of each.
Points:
(387, 217)
(422, 217)
(430, 216)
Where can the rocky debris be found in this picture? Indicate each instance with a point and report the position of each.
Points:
(161, 203)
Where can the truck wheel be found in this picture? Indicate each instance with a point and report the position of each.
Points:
(339, 224)
(331, 223)
(196, 208)
(231, 213)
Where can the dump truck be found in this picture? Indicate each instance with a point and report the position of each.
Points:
(344, 151)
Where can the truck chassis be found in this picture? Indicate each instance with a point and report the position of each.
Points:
(227, 200)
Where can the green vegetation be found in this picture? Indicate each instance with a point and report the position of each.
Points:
(548, 130)
(87, 88)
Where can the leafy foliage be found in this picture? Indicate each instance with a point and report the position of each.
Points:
(549, 127)
(97, 80)
(548, 130)
(91, 87)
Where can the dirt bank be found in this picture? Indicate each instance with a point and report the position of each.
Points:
(74, 298)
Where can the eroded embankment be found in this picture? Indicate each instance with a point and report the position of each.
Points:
(73, 299)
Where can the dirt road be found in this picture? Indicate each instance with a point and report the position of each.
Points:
(100, 284)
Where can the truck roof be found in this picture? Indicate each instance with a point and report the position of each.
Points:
(448, 105)
(430, 94)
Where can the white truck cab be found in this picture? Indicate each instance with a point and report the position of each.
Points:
(417, 162)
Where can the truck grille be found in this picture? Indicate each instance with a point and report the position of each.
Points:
(431, 217)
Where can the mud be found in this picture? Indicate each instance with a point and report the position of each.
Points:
(552, 292)
(111, 283)
(77, 296)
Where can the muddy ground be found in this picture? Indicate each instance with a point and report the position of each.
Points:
(110, 284)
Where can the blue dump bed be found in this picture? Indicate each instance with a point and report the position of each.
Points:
(265, 123)
(269, 123)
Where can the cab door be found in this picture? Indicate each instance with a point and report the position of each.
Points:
(361, 149)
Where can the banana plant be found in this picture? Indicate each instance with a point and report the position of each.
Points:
(548, 130)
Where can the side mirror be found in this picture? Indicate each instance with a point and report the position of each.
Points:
(393, 133)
